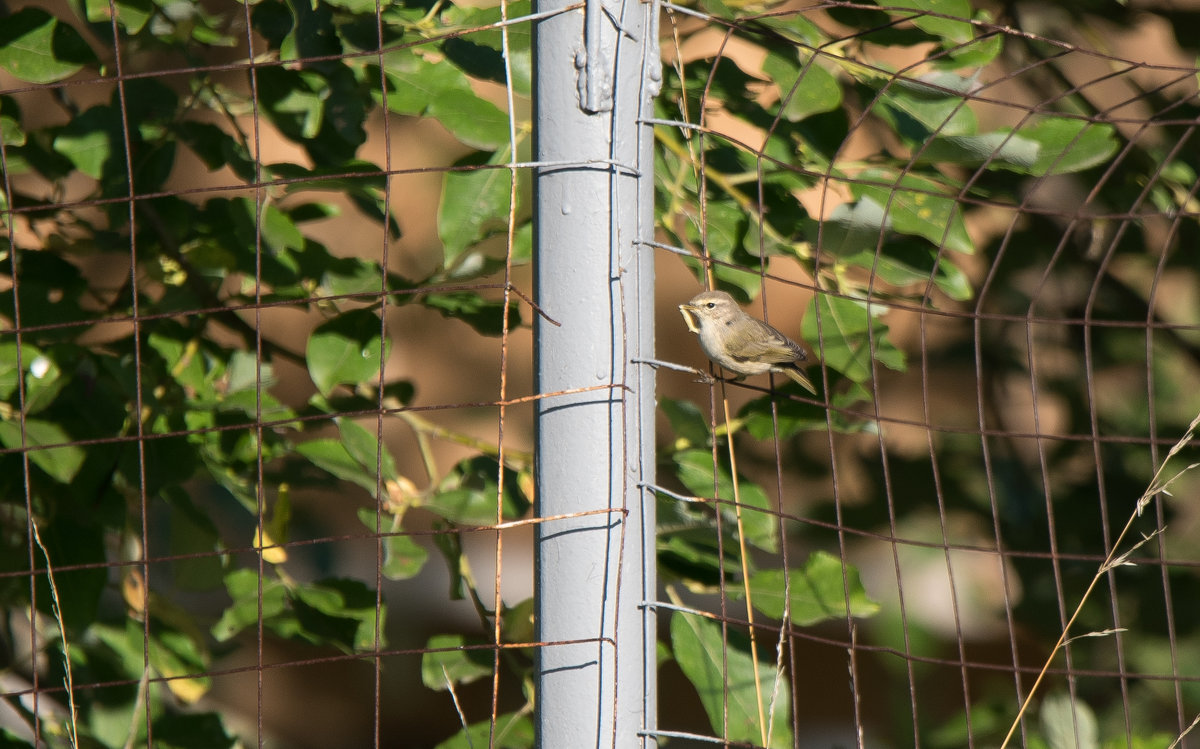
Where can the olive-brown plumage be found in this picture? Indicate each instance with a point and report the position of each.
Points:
(740, 343)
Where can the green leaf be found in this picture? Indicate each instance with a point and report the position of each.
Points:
(451, 665)
(414, 82)
(38, 48)
(818, 592)
(337, 611)
(352, 275)
(474, 203)
(132, 14)
(796, 27)
(852, 227)
(782, 212)
(191, 731)
(689, 551)
(467, 495)
(999, 150)
(953, 281)
(194, 543)
(1068, 723)
(481, 53)
(335, 457)
(242, 586)
(724, 238)
(472, 119)
(726, 224)
(976, 54)
(918, 111)
(916, 205)
(794, 416)
(845, 333)
(949, 29)
(354, 6)
(61, 463)
(243, 373)
(366, 448)
(332, 456)
(908, 262)
(722, 672)
(403, 557)
(215, 147)
(11, 133)
(87, 140)
(295, 100)
(694, 468)
(175, 653)
(522, 245)
(690, 426)
(807, 87)
(9, 374)
(484, 315)
(513, 731)
(153, 166)
(1070, 145)
(347, 349)
(279, 233)
(43, 378)
(395, 394)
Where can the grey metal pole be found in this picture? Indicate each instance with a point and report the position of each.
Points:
(595, 74)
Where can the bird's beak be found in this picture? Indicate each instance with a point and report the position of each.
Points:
(688, 312)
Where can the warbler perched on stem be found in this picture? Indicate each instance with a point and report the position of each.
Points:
(739, 342)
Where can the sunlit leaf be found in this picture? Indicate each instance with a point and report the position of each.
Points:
(248, 602)
(511, 731)
(844, 331)
(694, 468)
(468, 495)
(916, 205)
(449, 664)
(87, 140)
(403, 557)
(1070, 144)
(345, 350)
(62, 463)
(998, 150)
(819, 591)
(853, 227)
(1068, 722)
(484, 315)
(721, 670)
(805, 86)
(474, 204)
(723, 238)
(38, 48)
(132, 14)
(472, 119)
(945, 23)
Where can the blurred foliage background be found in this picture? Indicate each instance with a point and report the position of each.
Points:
(252, 293)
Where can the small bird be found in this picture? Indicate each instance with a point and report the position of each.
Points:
(740, 343)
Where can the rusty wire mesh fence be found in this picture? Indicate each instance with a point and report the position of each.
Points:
(267, 415)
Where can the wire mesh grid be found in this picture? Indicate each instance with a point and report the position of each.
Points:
(266, 435)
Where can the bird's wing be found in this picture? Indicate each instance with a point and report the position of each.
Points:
(773, 347)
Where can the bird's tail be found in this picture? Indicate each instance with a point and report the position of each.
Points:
(801, 379)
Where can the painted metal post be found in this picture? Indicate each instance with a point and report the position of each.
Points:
(596, 71)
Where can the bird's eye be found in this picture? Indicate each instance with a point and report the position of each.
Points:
(711, 305)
